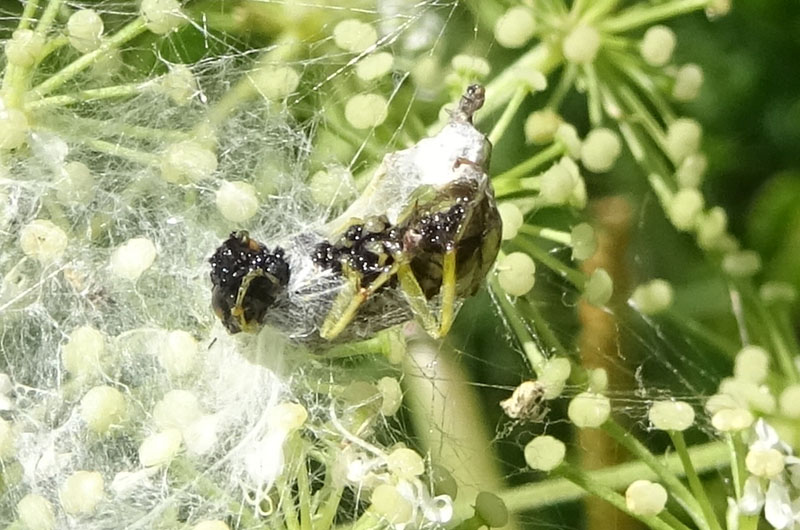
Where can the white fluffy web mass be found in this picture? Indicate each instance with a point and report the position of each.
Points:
(136, 137)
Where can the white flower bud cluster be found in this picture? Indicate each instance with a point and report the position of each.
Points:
(103, 408)
(688, 82)
(187, 161)
(545, 453)
(83, 355)
(583, 241)
(600, 150)
(516, 273)
(24, 47)
(562, 184)
(512, 219)
(43, 240)
(354, 36)
(742, 263)
(374, 66)
(652, 297)
(274, 83)
(132, 258)
(541, 126)
(85, 30)
(36, 513)
(162, 16)
(515, 27)
(657, 45)
(553, 376)
(366, 111)
(237, 201)
(179, 84)
(82, 492)
(589, 410)
(671, 415)
(598, 288)
(645, 498)
(581, 45)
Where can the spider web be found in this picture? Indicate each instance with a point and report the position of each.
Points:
(275, 146)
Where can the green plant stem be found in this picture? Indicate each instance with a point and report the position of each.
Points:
(532, 352)
(531, 311)
(92, 94)
(694, 480)
(564, 84)
(670, 479)
(593, 95)
(26, 18)
(130, 31)
(287, 503)
(48, 15)
(304, 496)
(597, 489)
(93, 127)
(525, 168)
(737, 450)
(575, 277)
(638, 16)
(557, 236)
(125, 152)
(508, 114)
(327, 513)
(697, 329)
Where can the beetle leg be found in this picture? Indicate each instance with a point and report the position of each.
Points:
(436, 325)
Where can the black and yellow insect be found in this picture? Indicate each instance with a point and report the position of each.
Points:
(423, 235)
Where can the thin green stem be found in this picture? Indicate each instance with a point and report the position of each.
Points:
(130, 31)
(738, 470)
(523, 333)
(92, 94)
(575, 277)
(694, 480)
(557, 236)
(593, 95)
(670, 479)
(525, 168)
(327, 513)
(566, 82)
(531, 311)
(93, 127)
(703, 333)
(123, 152)
(48, 15)
(26, 19)
(508, 114)
(638, 16)
(584, 481)
(304, 496)
(287, 504)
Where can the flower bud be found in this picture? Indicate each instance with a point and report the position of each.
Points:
(671, 415)
(374, 66)
(599, 288)
(645, 498)
(77, 186)
(600, 150)
(36, 513)
(683, 138)
(657, 45)
(587, 410)
(711, 228)
(752, 364)
(180, 84)
(13, 128)
(160, 448)
(775, 292)
(598, 380)
(558, 183)
(583, 241)
(405, 463)
(132, 258)
(287, 416)
(653, 297)
(568, 135)
(102, 407)
(554, 376)
(685, 208)
(236, 201)
(187, 161)
(392, 395)
(789, 401)
(364, 111)
(274, 83)
(178, 353)
(81, 492)
(688, 82)
(354, 36)
(491, 509)
(162, 16)
(718, 8)
(515, 27)
(470, 66)
(176, 410)
(728, 420)
(201, 435)
(516, 273)
(742, 264)
(85, 29)
(388, 503)
(512, 219)
(545, 453)
(83, 352)
(766, 463)
(43, 240)
(581, 45)
(541, 126)
(332, 187)
(690, 172)
(24, 47)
